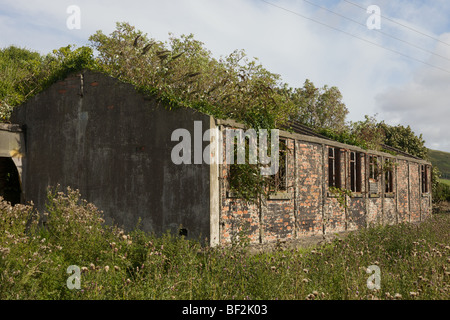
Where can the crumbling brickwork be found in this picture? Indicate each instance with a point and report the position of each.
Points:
(307, 207)
(309, 181)
(402, 188)
(277, 212)
(414, 192)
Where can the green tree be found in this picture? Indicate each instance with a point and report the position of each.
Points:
(25, 73)
(18, 67)
(183, 72)
(320, 108)
(405, 139)
(368, 132)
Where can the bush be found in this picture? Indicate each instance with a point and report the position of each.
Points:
(34, 257)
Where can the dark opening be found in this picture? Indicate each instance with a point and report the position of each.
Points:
(183, 232)
(279, 179)
(424, 170)
(388, 178)
(359, 172)
(373, 168)
(334, 167)
(9, 181)
(355, 172)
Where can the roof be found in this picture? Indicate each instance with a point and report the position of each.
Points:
(297, 127)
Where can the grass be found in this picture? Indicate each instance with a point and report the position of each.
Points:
(414, 261)
(445, 181)
(441, 160)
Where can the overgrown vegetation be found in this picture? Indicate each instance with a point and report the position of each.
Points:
(24, 73)
(441, 160)
(341, 195)
(183, 73)
(413, 260)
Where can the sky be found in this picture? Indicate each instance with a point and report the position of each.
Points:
(392, 63)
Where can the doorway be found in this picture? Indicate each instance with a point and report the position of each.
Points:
(10, 188)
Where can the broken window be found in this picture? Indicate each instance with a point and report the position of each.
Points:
(373, 168)
(238, 171)
(424, 170)
(246, 174)
(355, 172)
(334, 167)
(388, 176)
(373, 174)
(279, 180)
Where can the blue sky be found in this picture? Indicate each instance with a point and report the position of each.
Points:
(293, 42)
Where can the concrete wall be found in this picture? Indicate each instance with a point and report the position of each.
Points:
(97, 134)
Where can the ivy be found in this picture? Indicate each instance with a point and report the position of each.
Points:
(341, 195)
(343, 137)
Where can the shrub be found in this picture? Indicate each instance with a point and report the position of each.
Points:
(413, 260)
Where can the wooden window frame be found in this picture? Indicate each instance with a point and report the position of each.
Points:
(280, 178)
(373, 167)
(355, 173)
(424, 178)
(389, 177)
(334, 167)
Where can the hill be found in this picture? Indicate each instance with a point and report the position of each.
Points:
(441, 160)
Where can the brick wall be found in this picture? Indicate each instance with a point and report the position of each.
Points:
(402, 188)
(307, 208)
(414, 191)
(309, 191)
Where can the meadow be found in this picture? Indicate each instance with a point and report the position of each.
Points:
(445, 181)
(36, 251)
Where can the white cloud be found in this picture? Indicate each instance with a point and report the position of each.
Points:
(422, 102)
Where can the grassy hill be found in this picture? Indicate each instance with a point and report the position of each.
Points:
(441, 160)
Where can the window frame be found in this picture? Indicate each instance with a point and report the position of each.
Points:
(282, 168)
(334, 167)
(424, 170)
(373, 168)
(355, 174)
(389, 176)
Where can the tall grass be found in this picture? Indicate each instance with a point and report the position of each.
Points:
(413, 259)
(445, 181)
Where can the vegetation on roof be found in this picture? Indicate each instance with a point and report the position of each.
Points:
(24, 73)
(181, 72)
